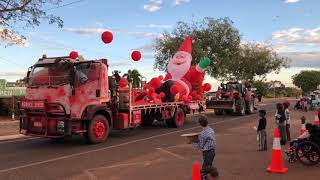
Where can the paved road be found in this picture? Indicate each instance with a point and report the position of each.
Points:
(155, 152)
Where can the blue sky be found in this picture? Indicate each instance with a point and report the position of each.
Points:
(292, 27)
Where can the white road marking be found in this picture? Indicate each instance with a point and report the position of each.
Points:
(113, 146)
(9, 137)
(90, 175)
(145, 163)
(171, 153)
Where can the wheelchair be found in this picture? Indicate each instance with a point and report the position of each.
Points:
(307, 151)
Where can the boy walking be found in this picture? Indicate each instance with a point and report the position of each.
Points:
(206, 142)
(261, 130)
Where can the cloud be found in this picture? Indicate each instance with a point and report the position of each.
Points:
(156, 1)
(298, 36)
(292, 1)
(145, 34)
(303, 59)
(93, 31)
(159, 26)
(146, 48)
(86, 31)
(14, 74)
(120, 64)
(179, 2)
(296, 39)
(151, 8)
(11, 38)
(154, 6)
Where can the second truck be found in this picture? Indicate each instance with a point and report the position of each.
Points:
(232, 98)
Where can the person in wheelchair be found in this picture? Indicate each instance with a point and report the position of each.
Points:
(305, 136)
(307, 147)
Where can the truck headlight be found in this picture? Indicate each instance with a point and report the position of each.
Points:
(60, 126)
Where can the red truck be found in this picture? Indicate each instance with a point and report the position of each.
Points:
(65, 97)
(232, 97)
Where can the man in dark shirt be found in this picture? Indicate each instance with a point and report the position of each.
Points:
(262, 134)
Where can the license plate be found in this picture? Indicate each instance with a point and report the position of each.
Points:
(37, 124)
(32, 104)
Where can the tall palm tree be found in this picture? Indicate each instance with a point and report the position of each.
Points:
(133, 76)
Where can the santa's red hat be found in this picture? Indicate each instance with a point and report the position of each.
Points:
(186, 45)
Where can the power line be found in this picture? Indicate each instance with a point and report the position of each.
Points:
(64, 5)
(12, 62)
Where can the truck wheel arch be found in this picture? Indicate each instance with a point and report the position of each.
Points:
(92, 111)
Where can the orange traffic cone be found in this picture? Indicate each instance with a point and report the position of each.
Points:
(316, 118)
(276, 165)
(196, 172)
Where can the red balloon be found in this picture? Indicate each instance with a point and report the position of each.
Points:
(73, 55)
(174, 89)
(193, 93)
(162, 94)
(136, 55)
(198, 97)
(155, 83)
(185, 98)
(107, 37)
(151, 90)
(160, 77)
(123, 82)
(206, 87)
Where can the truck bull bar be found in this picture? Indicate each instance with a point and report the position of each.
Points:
(50, 112)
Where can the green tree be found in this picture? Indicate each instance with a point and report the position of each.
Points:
(133, 76)
(261, 87)
(307, 80)
(219, 40)
(254, 61)
(25, 13)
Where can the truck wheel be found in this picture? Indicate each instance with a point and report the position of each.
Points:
(178, 119)
(146, 119)
(98, 129)
(240, 107)
(218, 112)
(250, 109)
(227, 111)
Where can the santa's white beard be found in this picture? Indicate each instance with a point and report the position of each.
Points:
(178, 71)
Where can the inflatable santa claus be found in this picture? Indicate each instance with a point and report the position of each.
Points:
(178, 66)
(182, 81)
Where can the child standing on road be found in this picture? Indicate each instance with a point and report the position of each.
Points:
(206, 142)
(281, 122)
(287, 113)
(261, 130)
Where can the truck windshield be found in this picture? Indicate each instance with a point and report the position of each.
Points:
(50, 74)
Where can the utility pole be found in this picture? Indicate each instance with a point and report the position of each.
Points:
(12, 116)
(274, 90)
